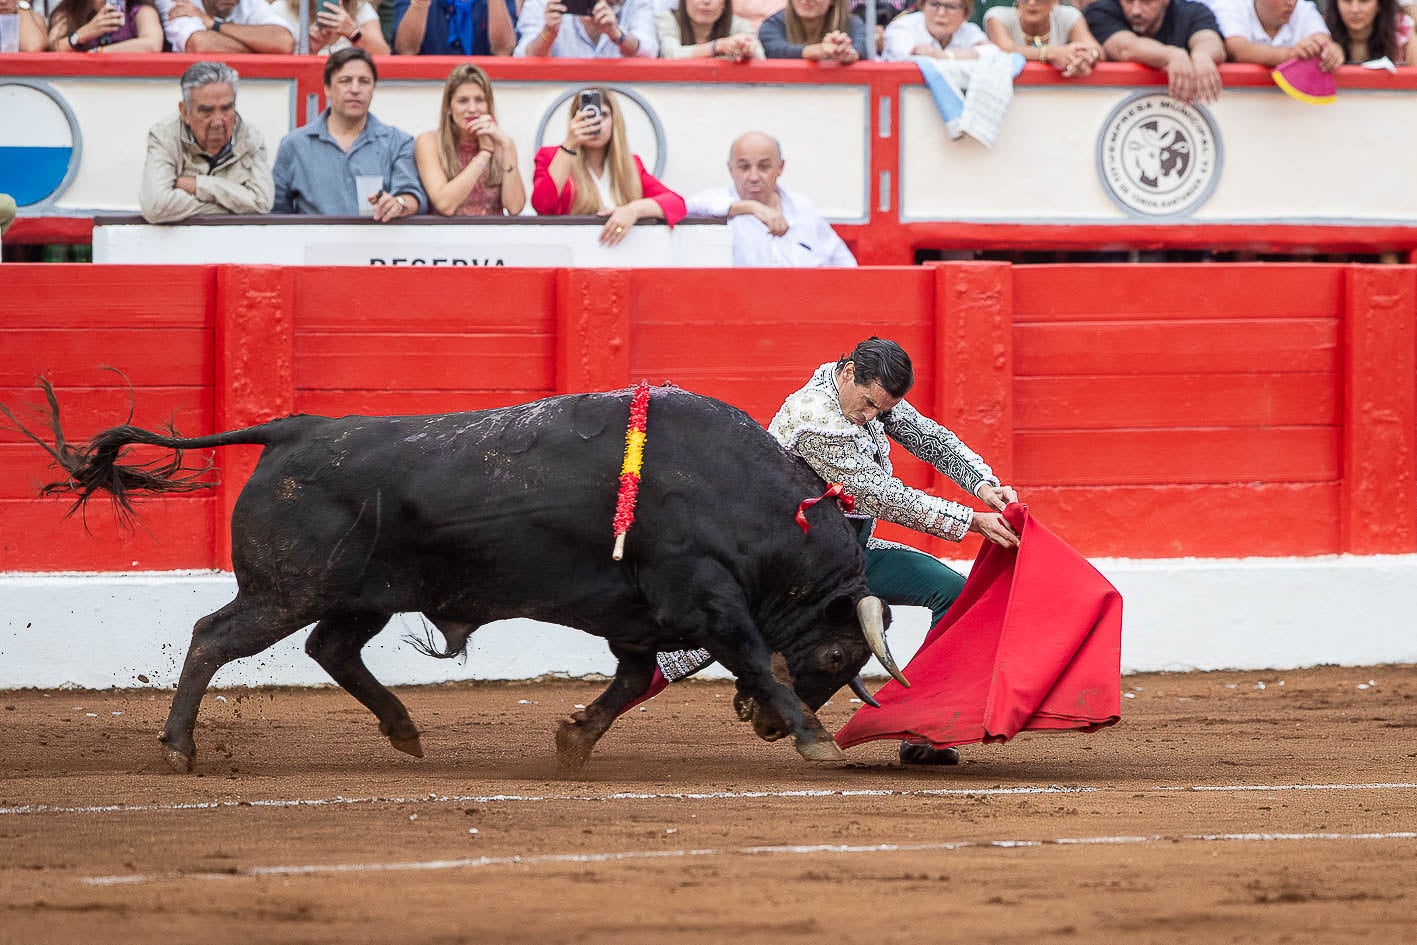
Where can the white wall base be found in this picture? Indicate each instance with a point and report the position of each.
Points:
(102, 630)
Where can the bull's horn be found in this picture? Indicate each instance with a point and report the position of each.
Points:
(858, 686)
(871, 613)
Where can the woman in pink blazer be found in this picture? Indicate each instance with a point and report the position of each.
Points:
(593, 172)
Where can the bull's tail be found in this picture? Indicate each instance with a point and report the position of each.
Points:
(97, 467)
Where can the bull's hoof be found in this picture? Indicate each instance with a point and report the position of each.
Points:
(923, 753)
(745, 707)
(404, 737)
(408, 744)
(178, 760)
(573, 746)
(818, 750)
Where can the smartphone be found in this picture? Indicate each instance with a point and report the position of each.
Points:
(578, 7)
(589, 100)
(120, 5)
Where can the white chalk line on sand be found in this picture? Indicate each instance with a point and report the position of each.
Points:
(340, 800)
(553, 859)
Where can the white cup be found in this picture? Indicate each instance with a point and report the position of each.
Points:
(366, 186)
(9, 32)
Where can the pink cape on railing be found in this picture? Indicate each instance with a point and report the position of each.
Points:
(1033, 643)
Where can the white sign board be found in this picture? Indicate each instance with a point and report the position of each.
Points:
(283, 241)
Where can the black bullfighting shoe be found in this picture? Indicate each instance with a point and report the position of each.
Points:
(923, 753)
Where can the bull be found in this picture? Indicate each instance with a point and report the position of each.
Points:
(473, 517)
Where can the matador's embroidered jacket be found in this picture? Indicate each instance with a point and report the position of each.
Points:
(811, 424)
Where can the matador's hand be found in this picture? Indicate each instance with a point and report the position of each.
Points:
(997, 497)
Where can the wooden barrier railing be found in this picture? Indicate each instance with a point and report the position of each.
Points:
(1142, 411)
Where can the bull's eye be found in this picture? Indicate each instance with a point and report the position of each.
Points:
(834, 658)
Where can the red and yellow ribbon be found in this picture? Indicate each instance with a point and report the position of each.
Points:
(635, 434)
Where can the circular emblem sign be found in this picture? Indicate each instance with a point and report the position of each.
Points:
(1158, 157)
(39, 142)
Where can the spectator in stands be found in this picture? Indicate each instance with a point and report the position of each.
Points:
(105, 26)
(886, 10)
(335, 25)
(7, 212)
(468, 167)
(1179, 37)
(1371, 29)
(820, 30)
(594, 171)
(205, 159)
(1045, 31)
(455, 27)
(32, 28)
(706, 29)
(611, 31)
(940, 28)
(316, 164)
(771, 226)
(231, 26)
(754, 12)
(1268, 32)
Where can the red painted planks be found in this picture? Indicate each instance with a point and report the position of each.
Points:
(1175, 400)
(454, 299)
(77, 357)
(1158, 457)
(424, 361)
(379, 403)
(81, 296)
(1091, 293)
(1192, 521)
(85, 411)
(1178, 347)
(35, 536)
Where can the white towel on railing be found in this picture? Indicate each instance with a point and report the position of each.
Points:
(972, 94)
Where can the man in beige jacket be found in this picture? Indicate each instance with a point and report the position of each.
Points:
(205, 159)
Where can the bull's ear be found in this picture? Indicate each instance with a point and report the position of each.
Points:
(840, 609)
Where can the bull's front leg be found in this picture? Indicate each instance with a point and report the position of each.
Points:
(576, 736)
(767, 699)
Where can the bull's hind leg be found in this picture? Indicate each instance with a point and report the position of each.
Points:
(576, 736)
(335, 644)
(242, 628)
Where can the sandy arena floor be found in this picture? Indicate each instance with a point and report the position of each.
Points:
(1226, 807)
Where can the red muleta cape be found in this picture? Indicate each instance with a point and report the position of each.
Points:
(1034, 642)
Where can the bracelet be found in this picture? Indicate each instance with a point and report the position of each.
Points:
(568, 150)
(356, 36)
(547, 35)
(1043, 53)
(713, 49)
(623, 36)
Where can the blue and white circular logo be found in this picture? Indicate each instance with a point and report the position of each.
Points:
(1158, 157)
(39, 142)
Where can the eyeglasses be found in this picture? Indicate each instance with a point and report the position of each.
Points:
(936, 6)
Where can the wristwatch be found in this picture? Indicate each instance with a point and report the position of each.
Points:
(74, 40)
(217, 23)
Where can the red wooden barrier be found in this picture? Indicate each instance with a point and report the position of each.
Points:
(1141, 410)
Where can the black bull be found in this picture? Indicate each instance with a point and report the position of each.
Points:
(474, 517)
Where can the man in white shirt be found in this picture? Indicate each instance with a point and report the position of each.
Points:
(225, 26)
(620, 30)
(771, 226)
(1269, 32)
(940, 28)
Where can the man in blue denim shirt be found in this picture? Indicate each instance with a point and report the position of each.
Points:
(455, 27)
(316, 166)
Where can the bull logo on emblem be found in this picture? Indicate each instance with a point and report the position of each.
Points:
(1154, 155)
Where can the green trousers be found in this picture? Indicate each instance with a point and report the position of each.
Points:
(904, 576)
